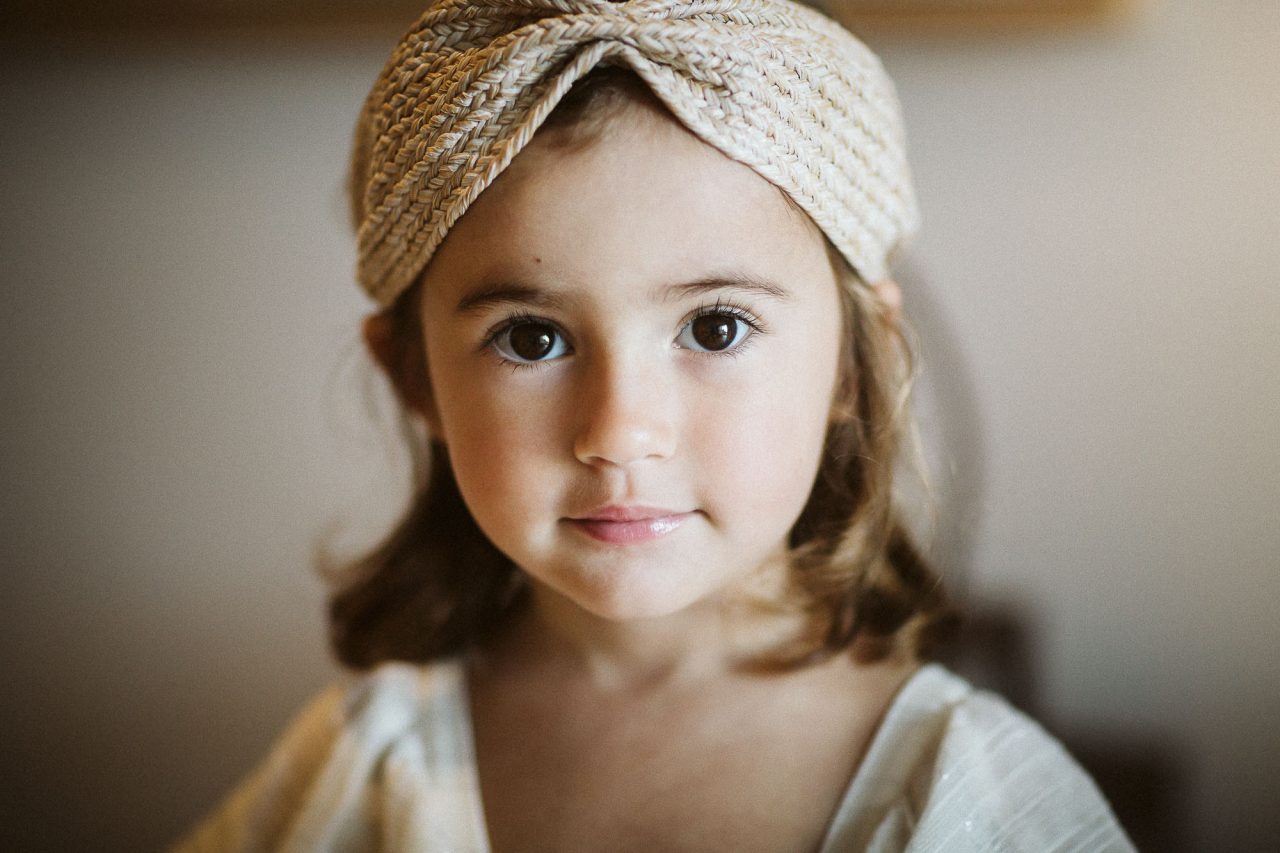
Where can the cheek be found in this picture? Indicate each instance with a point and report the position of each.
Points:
(768, 449)
(501, 448)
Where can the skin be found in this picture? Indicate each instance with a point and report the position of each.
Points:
(632, 413)
(601, 249)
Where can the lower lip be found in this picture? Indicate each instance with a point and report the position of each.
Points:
(628, 532)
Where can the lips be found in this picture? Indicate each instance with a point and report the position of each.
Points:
(622, 525)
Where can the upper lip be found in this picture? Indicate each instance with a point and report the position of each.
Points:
(626, 513)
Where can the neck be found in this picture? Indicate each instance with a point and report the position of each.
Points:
(707, 640)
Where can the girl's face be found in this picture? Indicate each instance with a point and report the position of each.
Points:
(632, 351)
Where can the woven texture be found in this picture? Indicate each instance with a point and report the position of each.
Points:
(771, 84)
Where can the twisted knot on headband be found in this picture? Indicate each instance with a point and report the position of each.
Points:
(771, 84)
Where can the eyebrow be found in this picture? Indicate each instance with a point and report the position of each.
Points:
(728, 281)
(507, 293)
(513, 293)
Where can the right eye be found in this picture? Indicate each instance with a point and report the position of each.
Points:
(530, 341)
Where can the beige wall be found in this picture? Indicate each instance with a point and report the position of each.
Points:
(1102, 229)
(1096, 291)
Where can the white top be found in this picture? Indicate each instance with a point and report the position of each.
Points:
(386, 762)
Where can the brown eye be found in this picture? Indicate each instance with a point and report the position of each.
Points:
(530, 341)
(717, 331)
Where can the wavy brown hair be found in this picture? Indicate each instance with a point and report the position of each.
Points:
(435, 585)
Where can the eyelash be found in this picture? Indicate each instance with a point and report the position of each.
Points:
(732, 309)
(721, 307)
(489, 344)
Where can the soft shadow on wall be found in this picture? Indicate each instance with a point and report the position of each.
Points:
(1143, 774)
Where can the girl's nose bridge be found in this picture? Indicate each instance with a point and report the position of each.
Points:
(625, 408)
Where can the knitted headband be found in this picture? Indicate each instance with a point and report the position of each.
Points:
(771, 84)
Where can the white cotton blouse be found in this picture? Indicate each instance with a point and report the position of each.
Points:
(386, 762)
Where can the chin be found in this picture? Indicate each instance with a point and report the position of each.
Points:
(632, 602)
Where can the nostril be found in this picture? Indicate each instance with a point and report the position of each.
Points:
(623, 416)
(621, 447)
(610, 436)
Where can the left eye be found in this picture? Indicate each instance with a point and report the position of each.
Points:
(715, 332)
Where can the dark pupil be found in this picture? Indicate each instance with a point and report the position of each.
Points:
(714, 331)
(532, 341)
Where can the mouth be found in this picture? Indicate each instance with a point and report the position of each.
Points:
(624, 525)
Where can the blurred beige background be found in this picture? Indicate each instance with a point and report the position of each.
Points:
(1097, 291)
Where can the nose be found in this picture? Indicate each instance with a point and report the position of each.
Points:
(625, 415)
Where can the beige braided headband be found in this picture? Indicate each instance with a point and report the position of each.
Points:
(771, 84)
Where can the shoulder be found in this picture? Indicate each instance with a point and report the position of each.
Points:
(336, 774)
(957, 768)
(376, 707)
(365, 717)
(1000, 781)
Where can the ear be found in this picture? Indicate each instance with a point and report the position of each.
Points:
(890, 296)
(405, 366)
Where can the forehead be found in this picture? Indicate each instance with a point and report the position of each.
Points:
(645, 201)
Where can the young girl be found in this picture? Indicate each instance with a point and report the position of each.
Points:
(653, 592)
